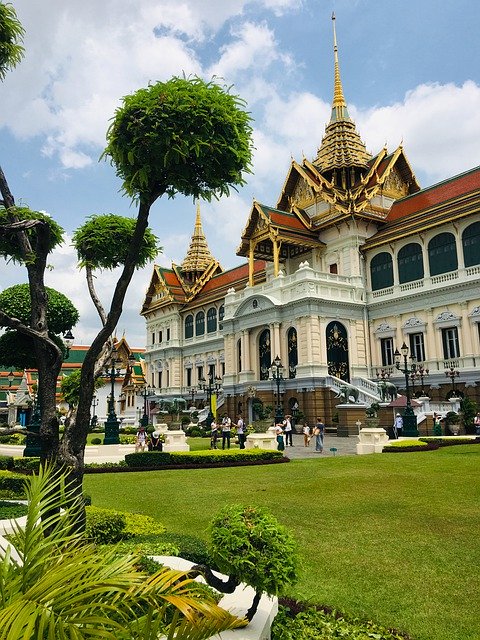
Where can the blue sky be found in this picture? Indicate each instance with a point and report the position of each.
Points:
(410, 71)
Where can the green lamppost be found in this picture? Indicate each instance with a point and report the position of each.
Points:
(277, 376)
(32, 443)
(214, 384)
(409, 418)
(112, 422)
(146, 391)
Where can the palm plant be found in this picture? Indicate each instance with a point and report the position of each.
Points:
(57, 585)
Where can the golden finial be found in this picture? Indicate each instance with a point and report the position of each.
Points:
(198, 255)
(339, 106)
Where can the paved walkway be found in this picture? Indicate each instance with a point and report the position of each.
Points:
(343, 446)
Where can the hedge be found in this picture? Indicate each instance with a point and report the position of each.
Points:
(12, 484)
(154, 459)
(6, 462)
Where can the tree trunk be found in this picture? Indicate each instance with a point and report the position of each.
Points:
(72, 447)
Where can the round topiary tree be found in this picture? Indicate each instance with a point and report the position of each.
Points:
(249, 545)
(11, 38)
(61, 313)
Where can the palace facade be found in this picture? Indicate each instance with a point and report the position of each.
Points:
(353, 261)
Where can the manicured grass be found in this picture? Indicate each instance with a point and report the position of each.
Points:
(392, 538)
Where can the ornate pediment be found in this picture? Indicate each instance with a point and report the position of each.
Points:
(302, 195)
(394, 186)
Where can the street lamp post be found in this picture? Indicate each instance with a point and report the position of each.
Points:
(32, 442)
(94, 420)
(277, 375)
(421, 374)
(11, 377)
(214, 384)
(409, 417)
(146, 391)
(453, 373)
(112, 422)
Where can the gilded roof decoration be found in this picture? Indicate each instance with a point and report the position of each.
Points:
(198, 257)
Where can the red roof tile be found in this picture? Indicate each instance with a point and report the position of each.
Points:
(437, 194)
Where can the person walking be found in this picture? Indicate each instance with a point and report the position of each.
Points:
(287, 427)
(319, 433)
(279, 434)
(306, 434)
(242, 436)
(397, 426)
(226, 431)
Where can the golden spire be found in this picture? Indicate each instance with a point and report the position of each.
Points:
(339, 105)
(342, 147)
(198, 256)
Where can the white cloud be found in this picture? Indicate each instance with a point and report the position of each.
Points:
(438, 124)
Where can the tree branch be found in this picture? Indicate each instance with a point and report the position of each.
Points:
(7, 198)
(18, 325)
(94, 296)
(212, 580)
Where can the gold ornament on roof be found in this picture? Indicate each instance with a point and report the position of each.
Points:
(198, 256)
(341, 146)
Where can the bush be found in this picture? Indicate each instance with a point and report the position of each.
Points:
(105, 526)
(87, 499)
(98, 440)
(12, 485)
(13, 438)
(250, 545)
(148, 459)
(190, 548)
(26, 465)
(138, 524)
(6, 462)
(128, 439)
(405, 446)
(147, 546)
(310, 621)
(195, 432)
(152, 459)
(10, 510)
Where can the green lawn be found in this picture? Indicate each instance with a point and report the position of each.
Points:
(391, 537)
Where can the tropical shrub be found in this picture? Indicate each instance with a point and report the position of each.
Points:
(13, 438)
(249, 545)
(99, 440)
(55, 585)
(312, 623)
(190, 547)
(138, 524)
(105, 526)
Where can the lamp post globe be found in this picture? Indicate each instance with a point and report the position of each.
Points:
(409, 418)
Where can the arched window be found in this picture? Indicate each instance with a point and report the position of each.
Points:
(189, 326)
(211, 320)
(265, 354)
(292, 352)
(471, 244)
(410, 263)
(442, 254)
(200, 323)
(381, 271)
(337, 351)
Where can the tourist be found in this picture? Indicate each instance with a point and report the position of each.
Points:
(279, 434)
(156, 442)
(477, 424)
(319, 433)
(242, 436)
(140, 440)
(226, 431)
(213, 434)
(397, 426)
(437, 424)
(287, 427)
(306, 434)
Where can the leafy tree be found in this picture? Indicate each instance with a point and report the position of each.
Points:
(11, 38)
(182, 136)
(57, 586)
(249, 545)
(61, 314)
(17, 350)
(70, 387)
(468, 409)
